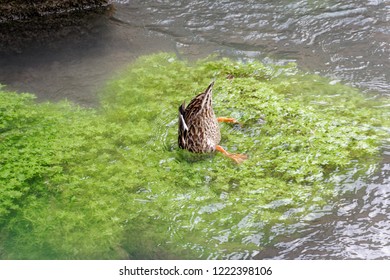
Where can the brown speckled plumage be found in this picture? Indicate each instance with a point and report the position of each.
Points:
(199, 129)
(198, 126)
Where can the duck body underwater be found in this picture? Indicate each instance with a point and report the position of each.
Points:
(199, 130)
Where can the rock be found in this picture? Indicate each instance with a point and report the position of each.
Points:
(21, 9)
(45, 22)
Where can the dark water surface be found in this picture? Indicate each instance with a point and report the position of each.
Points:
(348, 41)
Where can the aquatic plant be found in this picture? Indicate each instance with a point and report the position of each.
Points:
(112, 182)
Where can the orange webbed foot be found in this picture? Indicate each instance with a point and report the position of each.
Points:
(229, 120)
(238, 158)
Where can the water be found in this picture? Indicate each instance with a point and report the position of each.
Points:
(356, 226)
(345, 40)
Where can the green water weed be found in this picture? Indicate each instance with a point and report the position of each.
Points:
(112, 183)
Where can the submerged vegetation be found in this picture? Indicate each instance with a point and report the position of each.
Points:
(111, 182)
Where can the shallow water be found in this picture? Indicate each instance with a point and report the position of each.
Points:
(356, 226)
(345, 40)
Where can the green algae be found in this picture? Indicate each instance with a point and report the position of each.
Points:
(111, 182)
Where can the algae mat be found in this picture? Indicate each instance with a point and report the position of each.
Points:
(111, 182)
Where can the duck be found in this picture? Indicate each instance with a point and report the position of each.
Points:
(199, 130)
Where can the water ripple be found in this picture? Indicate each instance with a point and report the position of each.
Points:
(357, 226)
(312, 33)
(346, 40)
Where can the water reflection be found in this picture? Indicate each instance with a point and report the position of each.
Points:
(347, 40)
(356, 226)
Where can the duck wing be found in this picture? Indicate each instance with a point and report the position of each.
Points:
(183, 128)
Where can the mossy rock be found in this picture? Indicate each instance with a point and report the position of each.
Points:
(112, 183)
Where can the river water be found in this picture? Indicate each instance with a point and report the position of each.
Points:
(348, 41)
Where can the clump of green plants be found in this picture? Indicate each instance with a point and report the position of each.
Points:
(112, 183)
